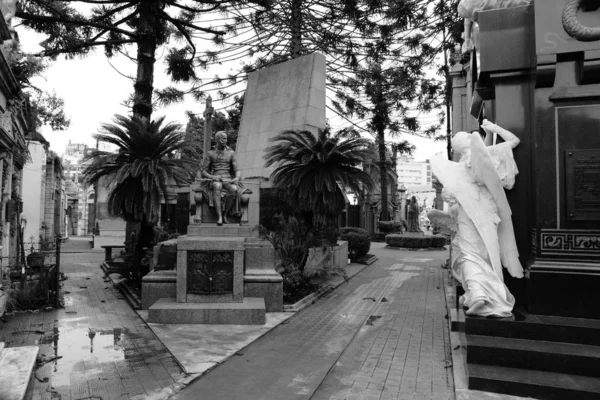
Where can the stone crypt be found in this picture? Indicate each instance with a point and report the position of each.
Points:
(535, 71)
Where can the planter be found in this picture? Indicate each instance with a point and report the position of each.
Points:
(318, 256)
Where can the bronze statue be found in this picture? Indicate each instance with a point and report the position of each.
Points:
(222, 187)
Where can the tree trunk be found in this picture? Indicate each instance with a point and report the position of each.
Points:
(296, 28)
(383, 178)
(144, 83)
(448, 93)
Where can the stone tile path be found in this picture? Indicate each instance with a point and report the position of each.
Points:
(384, 335)
(106, 350)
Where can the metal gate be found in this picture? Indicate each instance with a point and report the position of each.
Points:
(210, 272)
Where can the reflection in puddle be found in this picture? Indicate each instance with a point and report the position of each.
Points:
(82, 350)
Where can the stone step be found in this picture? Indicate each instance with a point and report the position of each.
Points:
(537, 327)
(16, 366)
(539, 355)
(531, 383)
(249, 312)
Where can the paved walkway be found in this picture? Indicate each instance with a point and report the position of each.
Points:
(384, 335)
(105, 349)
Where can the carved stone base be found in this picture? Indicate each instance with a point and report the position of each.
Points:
(212, 230)
(168, 311)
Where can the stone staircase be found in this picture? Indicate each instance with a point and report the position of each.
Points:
(543, 357)
(16, 366)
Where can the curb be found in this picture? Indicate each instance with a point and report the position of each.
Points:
(134, 301)
(313, 297)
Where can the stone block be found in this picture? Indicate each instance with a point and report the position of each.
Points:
(260, 255)
(210, 243)
(16, 364)
(157, 285)
(276, 99)
(269, 286)
(315, 117)
(212, 230)
(167, 311)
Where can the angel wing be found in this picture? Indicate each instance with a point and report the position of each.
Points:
(458, 180)
(443, 219)
(484, 171)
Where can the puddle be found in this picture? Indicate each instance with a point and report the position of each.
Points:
(82, 351)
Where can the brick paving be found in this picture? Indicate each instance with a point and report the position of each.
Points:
(106, 349)
(384, 335)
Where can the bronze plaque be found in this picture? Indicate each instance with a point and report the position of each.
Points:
(582, 168)
(210, 272)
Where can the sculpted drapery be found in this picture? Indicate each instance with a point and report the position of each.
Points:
(480, 217)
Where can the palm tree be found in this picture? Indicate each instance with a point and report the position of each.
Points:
(312, 170)
(141, 170)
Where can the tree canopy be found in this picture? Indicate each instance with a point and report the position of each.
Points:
(75, 27)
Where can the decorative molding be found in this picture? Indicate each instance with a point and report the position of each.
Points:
(576, 244)
(6, 123)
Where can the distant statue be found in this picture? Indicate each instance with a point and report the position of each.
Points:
(413, 215)
(480, 218)
(222, 188)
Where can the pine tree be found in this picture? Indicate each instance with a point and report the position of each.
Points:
(115, 25)
(257, 38)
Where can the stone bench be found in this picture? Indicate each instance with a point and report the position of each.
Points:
(108, 248)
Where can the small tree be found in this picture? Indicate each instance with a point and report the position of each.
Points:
(140, 171)
(312, 170)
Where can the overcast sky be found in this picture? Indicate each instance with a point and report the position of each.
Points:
(93, 91)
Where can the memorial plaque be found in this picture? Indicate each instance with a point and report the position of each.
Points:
(582, 168)
(210, 272)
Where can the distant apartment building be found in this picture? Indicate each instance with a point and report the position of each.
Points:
(413, 173)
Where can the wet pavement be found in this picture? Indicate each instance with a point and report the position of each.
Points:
(383, 335)
(97, 347)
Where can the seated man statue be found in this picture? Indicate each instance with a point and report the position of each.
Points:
(221, 184)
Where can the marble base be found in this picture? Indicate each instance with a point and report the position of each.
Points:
(16, 364)
(212, 230)
(157, 285)
(266, 284)
(168, 311)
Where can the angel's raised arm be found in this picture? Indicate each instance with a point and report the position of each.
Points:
(508, 136)
(442, 218)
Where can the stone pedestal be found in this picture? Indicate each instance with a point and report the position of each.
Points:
(221, 278)
(260, 277)
(251, 311)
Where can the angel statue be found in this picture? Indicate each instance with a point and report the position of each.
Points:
(480, 218)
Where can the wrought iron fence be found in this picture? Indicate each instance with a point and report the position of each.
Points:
(33, 271)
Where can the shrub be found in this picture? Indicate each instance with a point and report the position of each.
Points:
(358, 244)
(415, 241)
(378, 237)
(353, 229)
(390, 226)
